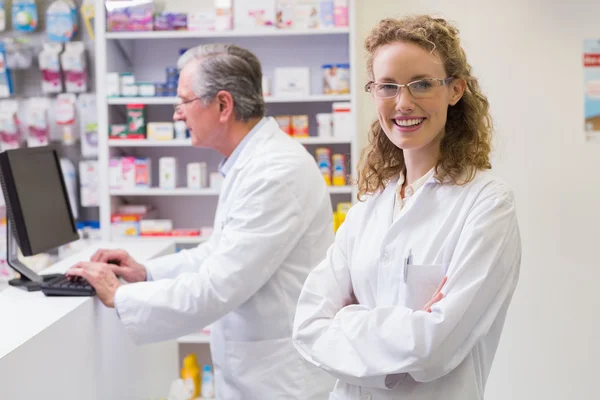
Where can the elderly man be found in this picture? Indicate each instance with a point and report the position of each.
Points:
(273, 225)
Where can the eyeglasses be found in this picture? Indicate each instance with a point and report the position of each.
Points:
(181, 102)
(419, 89)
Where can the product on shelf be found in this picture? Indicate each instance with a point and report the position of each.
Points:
(342, 119)
(170, 21)
(167, 167)
(300, 125)
(49, 61)
(24, 15)
(74, 67)
(292, 81)
(224, 15)
(285, 123)
(88, 183)
(129, 173)
(129, 16)
(216, 180)
(323, 156)
(336, 78)
(306, 14)
(6, 83)
(339, 170)
(155, 227)
(191, 373)
(61, 21)
(160, 131)
(136, 121)
(118, 131)
(325, 124)
(38, 128)
(88, 118)
(340, 13)
(254, 15)
(339, 215)
(65, 117)
(204, 20)
(197, 175)
(10, 135)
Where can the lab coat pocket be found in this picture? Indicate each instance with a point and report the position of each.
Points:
(421, 282)
(266, 369)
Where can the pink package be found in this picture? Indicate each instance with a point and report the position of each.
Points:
(340, 13)
(121, 16)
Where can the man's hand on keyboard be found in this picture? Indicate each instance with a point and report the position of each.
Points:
(122, 264)
(101, 277)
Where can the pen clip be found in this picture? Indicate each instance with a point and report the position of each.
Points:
(407, 262)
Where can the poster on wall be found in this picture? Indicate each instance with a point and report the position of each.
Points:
(591, 76)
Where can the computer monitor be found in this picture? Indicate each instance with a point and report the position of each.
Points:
(39, 216)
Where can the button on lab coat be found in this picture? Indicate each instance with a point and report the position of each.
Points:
(381, 345)
(272, 226)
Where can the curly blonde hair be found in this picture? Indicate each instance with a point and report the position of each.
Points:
(466, 144)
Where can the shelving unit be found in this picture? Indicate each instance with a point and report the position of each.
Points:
(315, 98)
(147, 54)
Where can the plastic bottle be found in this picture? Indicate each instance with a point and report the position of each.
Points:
(208, 385)
(191, 371)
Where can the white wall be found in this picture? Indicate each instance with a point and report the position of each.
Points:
(528, 56)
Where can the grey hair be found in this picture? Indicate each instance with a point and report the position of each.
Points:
(230, 68)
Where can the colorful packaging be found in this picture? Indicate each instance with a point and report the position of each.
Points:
(65, 117)
(326, 14)
(170, 21)
(253, 15)
(224, 15)
(300, 125)
(339, 170)
(323, 156)
(306, 14)
(118, 131)
(49, 61)
(142, 172)
(6, 83)
(340, 13)
(24, 15)
(284, 14)
(285, 123)
(61, 21)
(136, 121)
(10, 136)
(121, 16)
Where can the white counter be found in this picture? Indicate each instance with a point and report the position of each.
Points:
(75, 348)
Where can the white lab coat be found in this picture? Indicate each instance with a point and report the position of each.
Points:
(272, 226)
(383, 346)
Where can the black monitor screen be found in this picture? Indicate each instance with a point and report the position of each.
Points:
(40, 201)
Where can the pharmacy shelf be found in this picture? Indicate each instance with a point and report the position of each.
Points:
(313, 98)
(195, 338)
(164, 192)
(324, 140)
(237, 33)
(188, 142)
(176, 239)
(149, 143)
(196, 192)
(340, 189)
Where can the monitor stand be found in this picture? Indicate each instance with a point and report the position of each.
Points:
(29, 280)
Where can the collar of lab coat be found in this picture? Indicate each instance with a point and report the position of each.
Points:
(385, 209)
(267, 130)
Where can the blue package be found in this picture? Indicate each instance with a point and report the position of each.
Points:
(24, 15)
(6, 83)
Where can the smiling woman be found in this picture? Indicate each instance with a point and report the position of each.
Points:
(411, 299)
(444, 110)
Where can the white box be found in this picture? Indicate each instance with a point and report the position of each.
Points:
(113, 84)
(114, 173)
(224, 15)
(196, 175)
(254, 15)
(306, 14)
(160, 131)
(203, 21)
(216, 180)
(342, 119)
(156, 226)
(167, 167)
(88, 183)
(292, 82)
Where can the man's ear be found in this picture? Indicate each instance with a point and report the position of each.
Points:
(225, 101)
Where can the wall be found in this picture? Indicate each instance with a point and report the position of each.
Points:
(528, 56)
